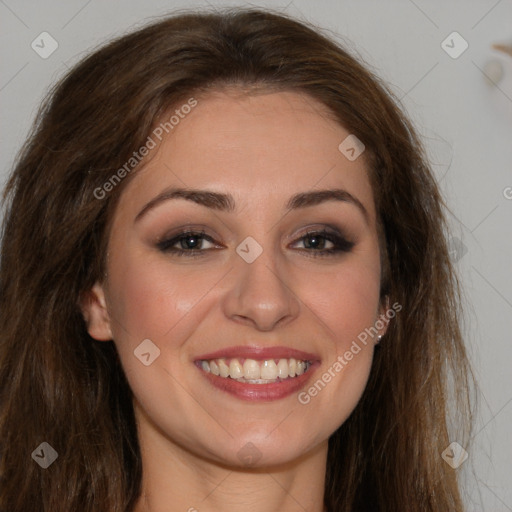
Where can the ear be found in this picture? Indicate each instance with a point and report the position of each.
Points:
(95, 313)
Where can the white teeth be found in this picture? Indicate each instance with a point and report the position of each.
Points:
(256, 372)
(235, 369)
(214, 368)
(256, 381)
(282, 369)
(223, 368)
(251, 370)
(292, 367)
(269, 370)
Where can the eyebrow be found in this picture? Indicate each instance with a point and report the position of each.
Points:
(225, 202)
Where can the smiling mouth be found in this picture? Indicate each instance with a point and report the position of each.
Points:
(254, 371)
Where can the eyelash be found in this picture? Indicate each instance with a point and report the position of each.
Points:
(341, 244)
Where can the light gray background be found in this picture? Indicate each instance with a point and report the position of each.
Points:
(465, 120)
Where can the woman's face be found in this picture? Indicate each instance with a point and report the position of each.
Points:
(280, 263)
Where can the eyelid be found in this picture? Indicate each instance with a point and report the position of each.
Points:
(186, 229)
(330, 229)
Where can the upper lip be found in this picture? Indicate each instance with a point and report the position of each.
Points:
(258, 352)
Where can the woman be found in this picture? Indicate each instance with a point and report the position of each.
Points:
(225, 283)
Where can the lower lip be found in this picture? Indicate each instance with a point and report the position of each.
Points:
(261, 392)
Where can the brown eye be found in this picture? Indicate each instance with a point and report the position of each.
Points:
(325, 243)
(190, 242)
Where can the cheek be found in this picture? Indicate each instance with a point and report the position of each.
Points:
(152, 297)
(346, 300)
(153, 300)
(346, 303)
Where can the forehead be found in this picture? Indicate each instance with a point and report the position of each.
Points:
(261, 147)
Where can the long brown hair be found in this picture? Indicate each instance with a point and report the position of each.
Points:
(62, 387)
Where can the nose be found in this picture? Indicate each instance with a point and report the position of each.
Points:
(260, 294)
